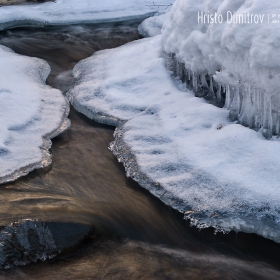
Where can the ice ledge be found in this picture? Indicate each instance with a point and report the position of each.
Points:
(216, 172)
(223, 222)
(245, 220)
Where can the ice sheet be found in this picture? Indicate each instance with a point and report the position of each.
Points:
(73, 11)
(30, 112)
(184, 150)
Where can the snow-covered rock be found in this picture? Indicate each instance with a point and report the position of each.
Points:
(63, 12)
(236, 42)
(30, 112)
(184, 150)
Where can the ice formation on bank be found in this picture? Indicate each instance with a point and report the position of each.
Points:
(184, 150)
(230, 49)
(62, 12)
(31, 113)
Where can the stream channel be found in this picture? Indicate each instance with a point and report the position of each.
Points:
(129, 234)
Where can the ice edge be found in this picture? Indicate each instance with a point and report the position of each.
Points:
(42, 23)
(46, 155)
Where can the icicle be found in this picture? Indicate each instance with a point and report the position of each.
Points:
(238, 101)
(203, 80)
(269, 115)
(274, 115)
(178, 70)
(227, 104)
(211, 84)
(277, 130)
(194, 82)
(262, 109)
(219, 93)
(234, 107)
(267, 123)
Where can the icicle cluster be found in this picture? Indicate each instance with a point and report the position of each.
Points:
(250, 106)
(202, 84)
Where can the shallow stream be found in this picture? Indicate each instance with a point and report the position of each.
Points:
(133, 235)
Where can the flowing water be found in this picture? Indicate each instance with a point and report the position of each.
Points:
(133, 235)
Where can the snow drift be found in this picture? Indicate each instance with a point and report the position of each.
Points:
(241, 53)
(182, 149)
(31, 113)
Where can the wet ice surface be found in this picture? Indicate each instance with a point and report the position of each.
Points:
(31, 113)
(217, 172)
(85, 185)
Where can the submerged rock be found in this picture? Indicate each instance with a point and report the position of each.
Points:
(29, 240)
(25, 241)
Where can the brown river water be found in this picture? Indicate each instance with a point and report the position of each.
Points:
(133, 235)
